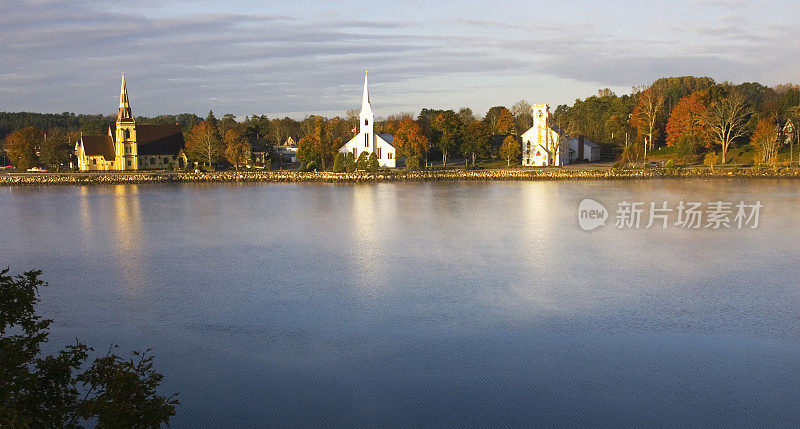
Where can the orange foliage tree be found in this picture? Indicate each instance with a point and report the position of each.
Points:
(409, 140)
(765, 141)
(686, 120)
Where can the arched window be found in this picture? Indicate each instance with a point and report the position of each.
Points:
(366, 122)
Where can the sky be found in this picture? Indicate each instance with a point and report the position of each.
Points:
(299, 57)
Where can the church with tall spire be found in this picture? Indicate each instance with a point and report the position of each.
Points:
(132, 146)
(366, 140)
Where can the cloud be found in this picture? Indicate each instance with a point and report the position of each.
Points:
(61, 56)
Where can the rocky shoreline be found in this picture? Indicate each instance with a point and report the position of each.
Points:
(387, 176)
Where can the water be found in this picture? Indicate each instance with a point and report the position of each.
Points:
(426, 304)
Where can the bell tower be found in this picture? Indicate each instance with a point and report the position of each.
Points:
(125, 137)
(367, 118)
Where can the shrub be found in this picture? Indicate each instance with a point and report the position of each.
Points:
(311, 166)
(670, 165)
(338, 163)
(710, 159)
(412, 163)
(361, 162)
(372, 163)
(349, 162)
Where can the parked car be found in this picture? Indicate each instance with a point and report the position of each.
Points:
(36, 170)
(654, 164)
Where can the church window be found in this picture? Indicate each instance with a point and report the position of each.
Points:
(366, 140)
(355, 151)
(129, 163)
(366, 122)
(94, 161)
(127, 133)
(379, 153)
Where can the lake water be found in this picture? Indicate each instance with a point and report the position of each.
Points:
(427, 304)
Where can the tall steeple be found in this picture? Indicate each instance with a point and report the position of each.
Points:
(366, 115)
(124, 114)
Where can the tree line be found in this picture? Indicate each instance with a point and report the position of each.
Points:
(692, 116)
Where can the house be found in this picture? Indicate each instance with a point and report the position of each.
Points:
(366, 140)
(583, 149)
(287, 150)
(544, 144)
(132, 146)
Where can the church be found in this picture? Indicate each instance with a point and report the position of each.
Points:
(366, 140)
(132, 146)
(544, 144)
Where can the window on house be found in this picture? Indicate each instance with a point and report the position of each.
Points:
(129, 163)
(389, 155)
(166, 160)
(152, 160)
(355, 151)
(379, 153)
(94, 161)
(366, 140)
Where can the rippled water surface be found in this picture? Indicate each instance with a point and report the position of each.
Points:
(427, 304)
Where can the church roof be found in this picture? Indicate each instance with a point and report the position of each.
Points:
(388, 138)
(98, 146)
(159, 139)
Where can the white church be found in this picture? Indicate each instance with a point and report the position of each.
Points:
(544, 144)
(366, 140)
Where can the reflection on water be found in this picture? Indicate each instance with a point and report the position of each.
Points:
(426, 304)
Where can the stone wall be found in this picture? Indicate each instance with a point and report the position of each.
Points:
(328, 177)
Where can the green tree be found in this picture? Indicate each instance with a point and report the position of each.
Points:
(476, 141)
(448, 124)
(523, 115)
(22, 145)
(338, 163)
(57, 146)
(52, 390)
(308, 149)
(349, 162)
(361, 162)
(372, 163)
(510, 149)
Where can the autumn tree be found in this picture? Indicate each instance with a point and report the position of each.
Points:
(237, 148)
(308, 150)
(686, 127)
(510, 149)
(449, 126)
(204, 145)
(645, 115)
(409, 140)
(686, 119)
(22, 145)
(475, 142)
(726, 120)
(765, 141)
(465, 115)
(505, 123)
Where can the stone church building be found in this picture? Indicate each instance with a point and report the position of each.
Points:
(132, 146)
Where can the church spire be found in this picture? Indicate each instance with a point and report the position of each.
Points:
(124, 113)
(365, 99)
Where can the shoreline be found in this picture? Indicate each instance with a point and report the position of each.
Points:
(55, 179)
